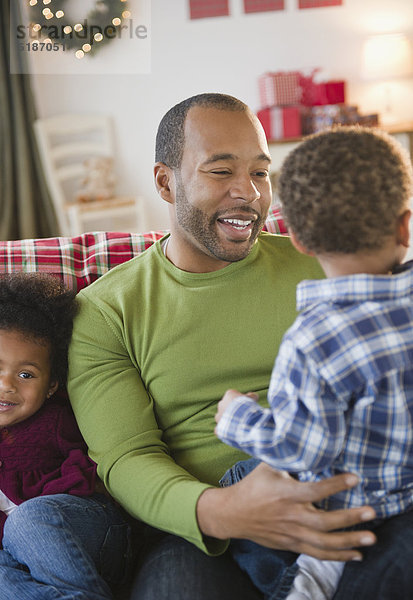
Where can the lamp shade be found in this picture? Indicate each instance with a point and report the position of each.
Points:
(387, 56)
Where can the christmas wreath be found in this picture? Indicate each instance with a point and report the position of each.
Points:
(50, 21)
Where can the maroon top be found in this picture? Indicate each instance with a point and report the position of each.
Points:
(44, 454)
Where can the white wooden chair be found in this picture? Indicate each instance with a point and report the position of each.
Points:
(64, 143)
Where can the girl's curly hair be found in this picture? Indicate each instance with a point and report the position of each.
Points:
(40, 307)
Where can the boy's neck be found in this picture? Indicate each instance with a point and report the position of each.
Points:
(377, 262)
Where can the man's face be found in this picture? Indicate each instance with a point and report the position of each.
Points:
(222, 190)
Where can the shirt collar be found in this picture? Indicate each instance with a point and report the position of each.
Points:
(356, 288)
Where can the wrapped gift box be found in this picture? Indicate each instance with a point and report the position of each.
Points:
(369, 120)
(312, 93)
(279, 89)
(281, 122)
(320, 94)
(286, 88)
(335, 92)
(317, 118)
(332, 114)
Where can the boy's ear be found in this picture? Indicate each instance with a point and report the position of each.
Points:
(298, 245)
(52, 388)
(164, 182)
(403, 228)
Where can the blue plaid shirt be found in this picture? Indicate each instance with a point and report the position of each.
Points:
(341, 392)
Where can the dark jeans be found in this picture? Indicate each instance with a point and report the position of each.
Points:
(386, 572)
(271, 571)
(173, 569)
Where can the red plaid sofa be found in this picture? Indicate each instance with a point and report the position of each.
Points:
(82, 259)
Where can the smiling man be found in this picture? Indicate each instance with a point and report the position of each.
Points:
(159, 339)
(219, 200)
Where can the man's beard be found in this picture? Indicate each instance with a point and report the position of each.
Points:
(204, 228)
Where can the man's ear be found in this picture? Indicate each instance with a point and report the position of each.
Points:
(164, 182)
(298, 245)
(403, 228)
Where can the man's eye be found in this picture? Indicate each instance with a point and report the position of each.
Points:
(220, 172)
(261, 173)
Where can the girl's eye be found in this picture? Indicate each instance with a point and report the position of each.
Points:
(25, 375)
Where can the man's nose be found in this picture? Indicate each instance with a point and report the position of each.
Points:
(245, 189)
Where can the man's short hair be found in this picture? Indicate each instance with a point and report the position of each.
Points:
(170, 138)
(342, 190)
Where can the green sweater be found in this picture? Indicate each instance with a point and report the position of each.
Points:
(154, 349)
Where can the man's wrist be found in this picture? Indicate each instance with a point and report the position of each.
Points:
(211, 512)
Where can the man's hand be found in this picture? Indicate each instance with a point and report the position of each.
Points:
(273, 509)
(227, 399)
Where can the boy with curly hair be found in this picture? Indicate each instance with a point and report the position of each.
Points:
(341, 391)
(48, 548)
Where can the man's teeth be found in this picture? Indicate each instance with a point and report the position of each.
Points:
(6, 403)
(238, 222)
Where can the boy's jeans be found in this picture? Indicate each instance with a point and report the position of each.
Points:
(385, 573)
(63, 547)
(271, 571)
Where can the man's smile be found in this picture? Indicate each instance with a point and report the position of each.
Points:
(239, 226)
(237, 223)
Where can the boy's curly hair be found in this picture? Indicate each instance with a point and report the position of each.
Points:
(40, 307)
(342, 190)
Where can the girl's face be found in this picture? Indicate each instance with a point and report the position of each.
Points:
(24, 377)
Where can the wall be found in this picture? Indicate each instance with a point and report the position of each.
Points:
(224, 54)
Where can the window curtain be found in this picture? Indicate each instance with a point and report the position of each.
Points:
(26, 210)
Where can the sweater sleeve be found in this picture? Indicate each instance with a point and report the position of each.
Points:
(116, 416)
(77, 473)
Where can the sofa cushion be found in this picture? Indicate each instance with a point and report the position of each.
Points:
(82, 259)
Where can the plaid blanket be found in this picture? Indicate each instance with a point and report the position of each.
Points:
(82, 259)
